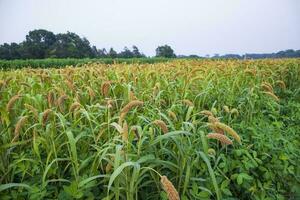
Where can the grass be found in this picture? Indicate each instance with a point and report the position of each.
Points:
(64, 62)
(143, 131)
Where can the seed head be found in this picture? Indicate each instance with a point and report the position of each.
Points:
(169, 188)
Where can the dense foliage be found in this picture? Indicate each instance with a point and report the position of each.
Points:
(290, 53)
(59, 63)
(41, 44)
(199, 129)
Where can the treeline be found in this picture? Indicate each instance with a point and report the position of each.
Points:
(40, 44)
(290, 53)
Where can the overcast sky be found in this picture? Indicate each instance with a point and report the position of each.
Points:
(189, 26)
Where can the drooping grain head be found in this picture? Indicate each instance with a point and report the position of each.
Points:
(211, 152)
(234, 111)
(12, 102)
(212, 120)
(281, 84)
(25, 84)
(125, 132)
(207, 113)
(130, 105)
(222, 138)
(60, 102)
(228, 130)
(226, 109)
(132, 97)
(188, 102)
(50, 98)
(105, 88)
(162, 125)
(18, 127)
(70, 85)
(74, 106)
(45, 116)
(172, 115)
(91, 93)
(267, 87)
(272, 95)
(169, 188)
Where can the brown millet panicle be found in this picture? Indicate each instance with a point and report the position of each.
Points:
(267, 87)
(169, 188)
(250, 71)
(162, 125)
(131, 105)
(228, 130)
(222, 138)
(105, 88)
(172, 115)
(207, 113)
(18, 127)
(45, 116)
(271, 94)
(50, 99)
(60, 101)
(91, 93)
(187, 102)
(212, 120)
(12, 101)
(125, 132)
(127, 108)
(74, 106)
(132, 96)
(70, 85)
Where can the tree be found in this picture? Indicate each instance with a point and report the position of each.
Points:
(136, 53)
(37, 43)
(10, 52)
(126, 53)
(165, 51)
(102, 53)
(70, 45)
(112, 53)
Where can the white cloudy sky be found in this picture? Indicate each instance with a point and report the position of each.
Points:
(189, 26)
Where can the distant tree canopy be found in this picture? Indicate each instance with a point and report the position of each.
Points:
(41, 44)
(165, 51)
(290, 53)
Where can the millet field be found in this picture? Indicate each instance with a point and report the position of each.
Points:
(180, 129)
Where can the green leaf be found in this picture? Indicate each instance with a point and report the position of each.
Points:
(240, 179)
(169, 135)
(117, 172)
(211, 173)
(87, 180)
(10, 185)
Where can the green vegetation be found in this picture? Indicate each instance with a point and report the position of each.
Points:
(40, 44)
(199, 129)
(63, 62)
